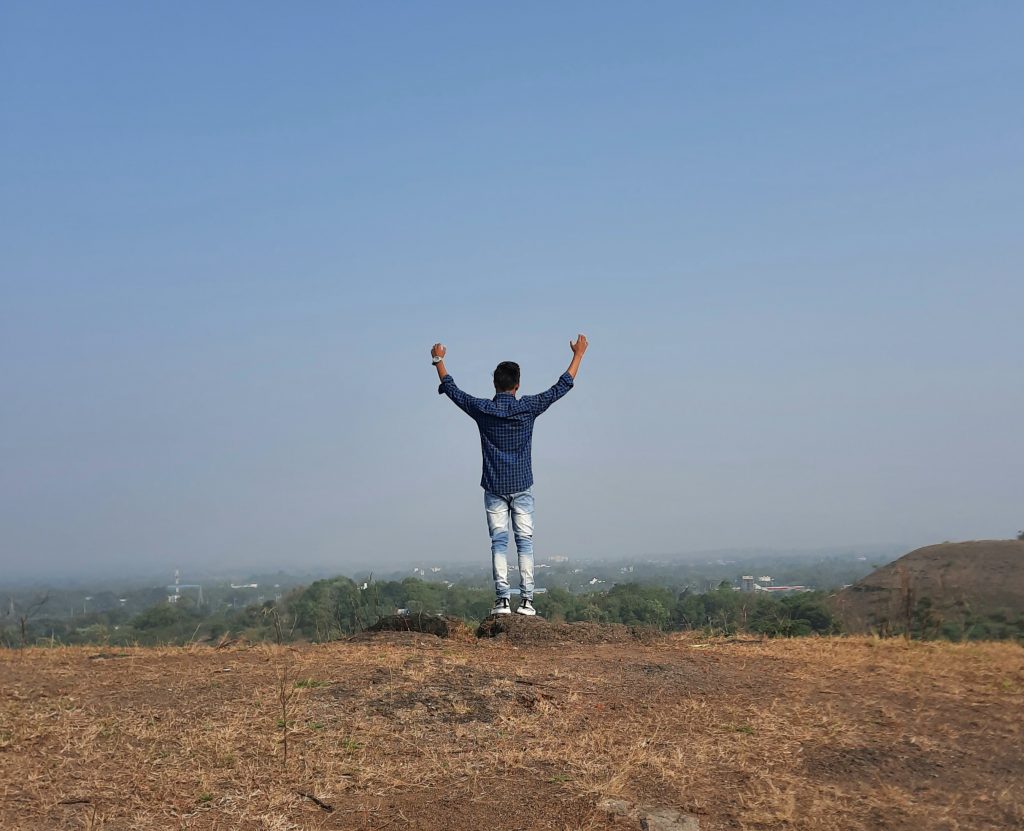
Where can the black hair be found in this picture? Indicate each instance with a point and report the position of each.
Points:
(506, 376)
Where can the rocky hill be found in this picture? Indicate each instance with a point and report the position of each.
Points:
(945, 587)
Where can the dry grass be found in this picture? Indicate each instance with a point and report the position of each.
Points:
(415, 732)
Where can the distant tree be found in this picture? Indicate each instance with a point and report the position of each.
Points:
(1020, 535)
(556, 605)
(328, 609)
(161, 616)
(28, 613)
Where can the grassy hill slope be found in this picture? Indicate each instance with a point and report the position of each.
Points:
(951, 585)
(410, 731)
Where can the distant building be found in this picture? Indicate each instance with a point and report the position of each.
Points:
(766, 583)
(178, 586)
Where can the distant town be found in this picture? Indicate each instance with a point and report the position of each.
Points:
(96, 610)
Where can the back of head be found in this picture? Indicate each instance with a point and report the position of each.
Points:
(506, 376)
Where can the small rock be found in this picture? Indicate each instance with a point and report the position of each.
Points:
(652, 818)
(668, 819)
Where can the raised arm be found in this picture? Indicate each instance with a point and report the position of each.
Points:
(438, 351)
(578, 349)
(465, 402)
(539, 403)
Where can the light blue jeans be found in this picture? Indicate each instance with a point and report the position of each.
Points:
(500, 507)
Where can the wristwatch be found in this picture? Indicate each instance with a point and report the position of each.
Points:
(436, 360)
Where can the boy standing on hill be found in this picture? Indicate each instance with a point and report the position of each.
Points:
(506, 436)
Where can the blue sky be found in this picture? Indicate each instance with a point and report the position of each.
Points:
(232, 231)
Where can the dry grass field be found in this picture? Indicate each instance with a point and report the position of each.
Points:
(408, 731)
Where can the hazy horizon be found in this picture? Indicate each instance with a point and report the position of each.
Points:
(157, 573)
(792, 236)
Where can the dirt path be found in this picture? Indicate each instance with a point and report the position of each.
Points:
(412, 732)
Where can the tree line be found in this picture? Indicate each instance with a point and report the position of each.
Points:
(337, 607)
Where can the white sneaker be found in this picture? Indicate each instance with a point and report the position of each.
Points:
(501, 607)
(526, 607)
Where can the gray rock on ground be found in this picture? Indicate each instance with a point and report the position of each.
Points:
(652, 818)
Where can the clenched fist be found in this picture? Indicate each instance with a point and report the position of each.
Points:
(580, 346)
(438, 350)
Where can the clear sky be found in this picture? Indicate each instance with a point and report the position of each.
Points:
(793, 232)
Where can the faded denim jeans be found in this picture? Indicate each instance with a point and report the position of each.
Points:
(500, 508)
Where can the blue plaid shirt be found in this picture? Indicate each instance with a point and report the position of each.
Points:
(506, 431)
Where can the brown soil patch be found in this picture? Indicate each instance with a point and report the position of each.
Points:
(845, 734)
(442, 626)
(521, 629)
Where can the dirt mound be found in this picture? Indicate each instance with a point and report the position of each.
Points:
(536, 630)
(949, 581)
(443, 626)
